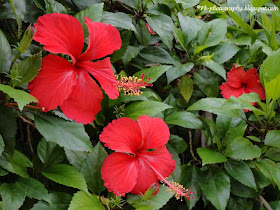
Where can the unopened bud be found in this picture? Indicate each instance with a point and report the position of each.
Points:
(26, 39)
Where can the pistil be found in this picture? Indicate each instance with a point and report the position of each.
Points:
(173, 187)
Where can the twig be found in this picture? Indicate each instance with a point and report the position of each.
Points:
(252, 125)
(28, 135)
(30, 106)
(209, 116)
(27, 121)
(264, 202)
(191, 149)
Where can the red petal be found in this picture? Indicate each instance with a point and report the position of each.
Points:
(235, 77)
(122, 135)
(54, 83)
(161, 160)
(103, 72)
(85, 100)
(103, 40)
(228, 91)
(155, 132)
(146, 177)
(253, 83)
(60, 33)
(119, 172)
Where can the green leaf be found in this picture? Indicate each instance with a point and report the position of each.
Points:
(218, 29)
(21, 97)
(242, 102)
(239, 203)
(272, 138)
(142, 35)
(190, 27)
(265, 166)
(15, 163)
(50, 153)
(180, 37)
(34, 189)
(208, 82)
(27, 69)
(5, 53)
(245, 27)
(85, 201)
(242, 148)
(94, 12)
(239, 170)
(270, 75)
(241, 190)
(125, 36)
(273, 154)
(154, 72)
(209, 156)
(272, 88)
(259, 3)
(261, 180)
(156, 202)
(243, 40)
(67, 134)
(184, 119)
(217, 68)
(186, 88)
(66, 175)
(178, 71)
(163, 26)
(214, 105)
(156, 55)
(188, 3)
(83, 4)
(270, 170)
(177, 143)
(12, 196)
(215, 185)
(118, 19)
(189, 178)
(59, 200)
(91, 168)
(2, 145)
(53, 6)
(149, 108)
(135, 4)
(8, 127)
(130, 53)
(223, 52)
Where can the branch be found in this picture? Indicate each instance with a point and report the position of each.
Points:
(264, 202)
(191, 148)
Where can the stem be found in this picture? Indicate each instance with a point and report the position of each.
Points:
(19, 23)
(264, 202)
(27, 121)
(252, 125)
(191, 148)
(30, 106)
(29, 138)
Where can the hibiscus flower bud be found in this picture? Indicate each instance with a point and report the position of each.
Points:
(26, 39)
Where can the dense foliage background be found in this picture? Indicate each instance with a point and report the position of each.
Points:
(229, 157)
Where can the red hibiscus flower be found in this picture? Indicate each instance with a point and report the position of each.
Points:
(240, 82)
(133, 168)
(68, 84)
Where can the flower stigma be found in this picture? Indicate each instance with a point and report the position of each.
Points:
(131, 85)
